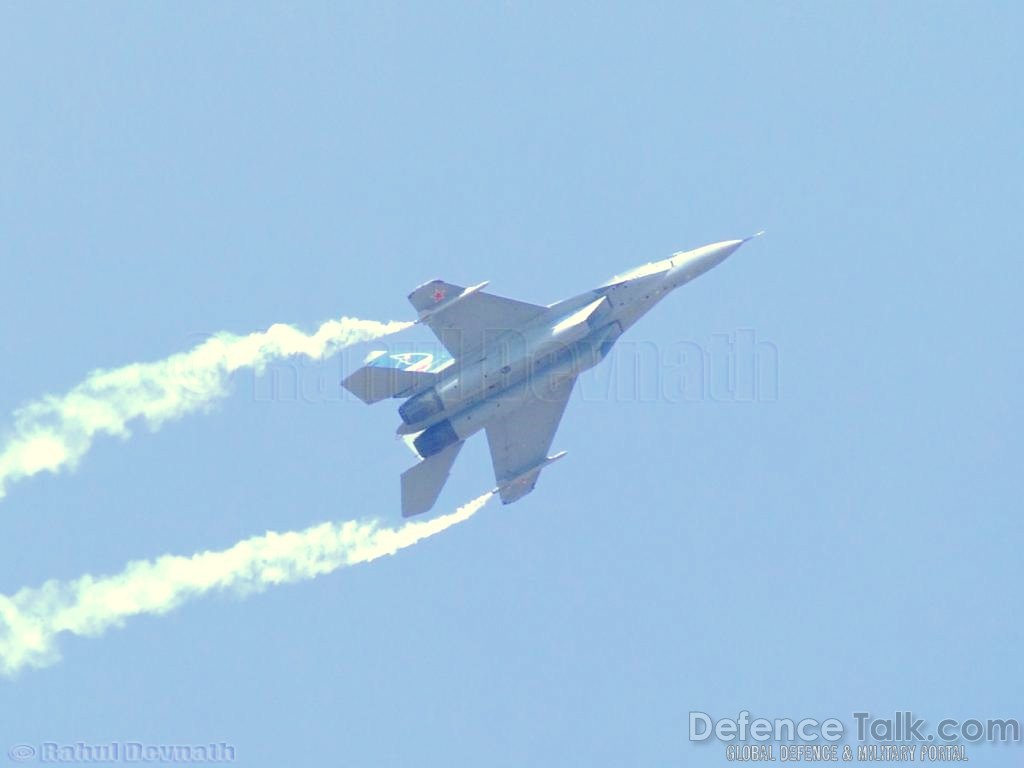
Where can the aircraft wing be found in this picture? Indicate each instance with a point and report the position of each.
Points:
(520, 441)
(465, 318)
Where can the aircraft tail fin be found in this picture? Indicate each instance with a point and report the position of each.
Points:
(433, 295)
(422, 484)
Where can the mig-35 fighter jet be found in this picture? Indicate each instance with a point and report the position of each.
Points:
(511, 371)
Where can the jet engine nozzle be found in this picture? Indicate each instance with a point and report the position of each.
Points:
(421, 407)
(435, 439)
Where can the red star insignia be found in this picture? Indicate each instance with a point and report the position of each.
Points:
(438, 294)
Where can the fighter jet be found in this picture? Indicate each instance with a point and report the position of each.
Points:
(511, 371)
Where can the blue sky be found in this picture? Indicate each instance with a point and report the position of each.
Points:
(851, 545)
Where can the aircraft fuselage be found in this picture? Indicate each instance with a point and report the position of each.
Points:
(570, 337)
(512, 369)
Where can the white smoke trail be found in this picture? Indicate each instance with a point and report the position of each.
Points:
(56, 431)
(31, 619)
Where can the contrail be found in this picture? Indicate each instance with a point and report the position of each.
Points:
(31, 619)
(56, 431)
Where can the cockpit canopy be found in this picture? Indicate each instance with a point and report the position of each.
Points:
(651, 268)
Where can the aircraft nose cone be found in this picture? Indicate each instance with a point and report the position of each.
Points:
(701, 260)
(726, 249)
(712, 255)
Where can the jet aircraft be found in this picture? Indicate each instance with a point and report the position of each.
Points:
(511, 370)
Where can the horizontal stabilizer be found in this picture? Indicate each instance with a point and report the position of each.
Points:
(373, 382)
(422, 484)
